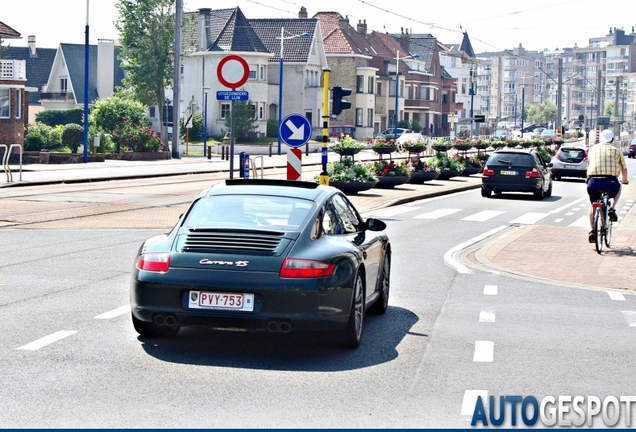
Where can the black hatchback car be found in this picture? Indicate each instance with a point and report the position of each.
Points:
(516, 170)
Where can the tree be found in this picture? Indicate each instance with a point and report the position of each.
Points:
(546, 112)
(107, 114)
(244, 120)
(147, 38)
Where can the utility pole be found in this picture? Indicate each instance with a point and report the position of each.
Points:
(559, 99)
(616, 103)
(599, 90)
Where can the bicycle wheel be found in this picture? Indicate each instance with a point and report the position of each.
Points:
(598, 229)
(607, 228)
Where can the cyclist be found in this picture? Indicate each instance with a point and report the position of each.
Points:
(605, 164)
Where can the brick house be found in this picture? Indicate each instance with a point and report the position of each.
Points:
(14, 107)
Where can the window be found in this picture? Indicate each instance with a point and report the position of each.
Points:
(18, 104)
(64, 85)
(5, 99)
(253, 111)
(252, 74)
(261, 112)
(262, 73)
(359, 117)
(379, 89)
(360, 84)
(225, 110)
(346, 213)
(370, 85)
(153, 112)
(369, 117)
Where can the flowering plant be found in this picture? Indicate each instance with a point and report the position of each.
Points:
(131, 135)
(474, 161)
(445, 163)
(420, 165)
(346, 170)
(383, 143)
(346, 142)
(390, 169)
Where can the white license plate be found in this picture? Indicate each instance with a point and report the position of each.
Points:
(510, 173)
(221, 301)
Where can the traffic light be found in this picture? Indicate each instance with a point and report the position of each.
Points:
(338, 103)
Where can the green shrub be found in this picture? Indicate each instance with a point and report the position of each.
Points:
(196, 131)
(73, 136)
(272, 128)
(60, 117)
(34, 142)
(136, 137)
(108, 114)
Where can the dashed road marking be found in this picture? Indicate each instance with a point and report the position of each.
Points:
(630, 317)
(47, 340)
(487, 316)
(437, 213)
(470, 399)
(483, 215)
(484, 351)
(490, 290)
(114, 313)
(614, 295)
(529, 218)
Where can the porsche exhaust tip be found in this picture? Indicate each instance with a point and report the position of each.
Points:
(165, 320)
(279, 327)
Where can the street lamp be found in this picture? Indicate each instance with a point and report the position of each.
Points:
(205, 119)
(86, 80)
(397, 88)
(280, 86)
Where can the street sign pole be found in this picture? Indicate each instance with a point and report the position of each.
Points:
(231, 140)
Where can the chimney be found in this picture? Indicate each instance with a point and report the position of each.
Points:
(362, 27)
(204, 39)
(343, 23)
(32, 49)
(105, 67)
(303, 12)
(405, 41)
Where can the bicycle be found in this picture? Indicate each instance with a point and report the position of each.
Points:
(602, 223)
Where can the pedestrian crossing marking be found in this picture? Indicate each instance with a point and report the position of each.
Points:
(483, 215)
(529, 218)
(437, 213)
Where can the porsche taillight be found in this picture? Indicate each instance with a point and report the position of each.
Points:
(154, 262)
(532, 174)
(302, 268)
(487, 172)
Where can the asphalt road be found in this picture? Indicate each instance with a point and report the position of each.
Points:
(446, 336)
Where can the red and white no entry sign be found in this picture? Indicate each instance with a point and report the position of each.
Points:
(233, 71)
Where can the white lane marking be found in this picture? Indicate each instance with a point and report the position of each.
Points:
(114, 313)
(558, 220)
(614, 295)
(563, 207)
(576, 209)
(490, 289)
(569, 213)
(583, 221)
(487, 316)
(484, 351)
(483, 215)
(529, 218)
(46, 340)
(392, 211)
(630, 316)
(449, 256)
(470, 400)
(437, 213)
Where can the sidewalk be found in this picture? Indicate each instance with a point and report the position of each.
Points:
(534, 252)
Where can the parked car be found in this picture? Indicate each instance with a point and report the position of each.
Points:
(632, 149)
(502, 134)
(411, 137)
(548, 133)
(569, 161)
(536, 133)
(264, 255)
(389, 133)
(516, 170)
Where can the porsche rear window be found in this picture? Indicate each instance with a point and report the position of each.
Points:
(248, 211)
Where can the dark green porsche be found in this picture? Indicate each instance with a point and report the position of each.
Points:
(269, 255)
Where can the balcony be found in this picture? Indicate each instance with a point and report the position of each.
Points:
(56, 95)
(13, 69)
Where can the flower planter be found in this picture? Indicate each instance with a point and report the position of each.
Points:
(347, 151)
(389, 182)
(384, 150)
(419, 177)
(414, 149)
(446, 174)
(352, 188)
(440, 148)
(470, 171)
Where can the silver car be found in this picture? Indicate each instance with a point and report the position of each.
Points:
(570, 161)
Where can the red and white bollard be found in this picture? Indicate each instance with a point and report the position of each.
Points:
(294, 164)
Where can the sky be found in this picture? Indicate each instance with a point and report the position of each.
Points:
(492, 25)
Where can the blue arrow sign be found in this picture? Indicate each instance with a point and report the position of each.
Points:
(295, 130)
(232, 95)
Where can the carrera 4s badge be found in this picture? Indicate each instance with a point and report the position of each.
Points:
(206, 261)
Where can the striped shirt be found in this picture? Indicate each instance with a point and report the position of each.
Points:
(605, 160)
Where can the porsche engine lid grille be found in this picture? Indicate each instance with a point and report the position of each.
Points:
(250, 241)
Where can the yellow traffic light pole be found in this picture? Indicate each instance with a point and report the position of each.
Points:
(324, 175)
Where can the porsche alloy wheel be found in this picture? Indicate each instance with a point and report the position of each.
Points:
(382, 303)
(351, 335)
